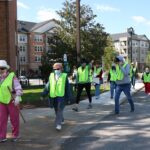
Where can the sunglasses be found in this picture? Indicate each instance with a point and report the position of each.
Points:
(56, 69)
(2, 68)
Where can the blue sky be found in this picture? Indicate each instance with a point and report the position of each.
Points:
(115, 15)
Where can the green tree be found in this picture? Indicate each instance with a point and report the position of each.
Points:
(93, 37)
(109, 54)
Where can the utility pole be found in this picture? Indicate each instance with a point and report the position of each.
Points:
(131, 32)
(78, 44)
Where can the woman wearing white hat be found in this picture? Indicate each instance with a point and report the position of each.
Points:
(9, 84)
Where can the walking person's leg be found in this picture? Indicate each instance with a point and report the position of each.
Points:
(126, 90)
(79, 91)
(97, 90)
(117, 97)
(88, 91)
(3, 122)
(59, 107)
(14, 118)
(111, 90)
(134, 81)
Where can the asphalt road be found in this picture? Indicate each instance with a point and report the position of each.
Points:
(126, 131)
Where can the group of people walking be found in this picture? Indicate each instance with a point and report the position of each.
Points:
(121, 75)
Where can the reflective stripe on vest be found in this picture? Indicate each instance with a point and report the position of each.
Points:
(83, 75)
(147, 78)
(113, 75)
(120, 75)
(5, 95)
(57, 88)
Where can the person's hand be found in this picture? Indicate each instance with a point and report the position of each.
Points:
(17, 100)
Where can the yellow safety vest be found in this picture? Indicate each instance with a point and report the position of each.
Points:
(84, 75)
(97, 70)
(131, 73)
(146, 78)
(120, 75)
(57, 88)
(5, 95)
(113, 75)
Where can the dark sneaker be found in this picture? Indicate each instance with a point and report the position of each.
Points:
(75, 109)
(3, 140)
(116, 113)
(89, 106)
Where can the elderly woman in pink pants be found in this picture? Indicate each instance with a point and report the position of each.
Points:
(9, 85)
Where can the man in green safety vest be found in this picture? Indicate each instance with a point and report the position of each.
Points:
(57, 88)
(83, 81)
(112, 77)
(123, 82)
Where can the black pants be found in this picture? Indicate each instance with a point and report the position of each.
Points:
(80, 87)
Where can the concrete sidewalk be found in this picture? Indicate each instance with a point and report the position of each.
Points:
(39, 131)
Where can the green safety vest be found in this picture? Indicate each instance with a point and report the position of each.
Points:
(120, 75)
(147, 78)
(97, 70)
(84, 75)
(91, 76)
(57, 88)
(131, 73)
(113, 75)
(5, 95)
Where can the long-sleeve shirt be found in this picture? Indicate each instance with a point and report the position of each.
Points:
(126, 72)
(16, 86)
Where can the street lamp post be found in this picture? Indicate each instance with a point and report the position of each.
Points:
(78, 45)
(131, 32)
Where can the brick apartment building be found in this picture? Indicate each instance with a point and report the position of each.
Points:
(140, 47)
(8, 26)
(32, 42)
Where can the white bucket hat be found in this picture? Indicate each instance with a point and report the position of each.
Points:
(4, 64)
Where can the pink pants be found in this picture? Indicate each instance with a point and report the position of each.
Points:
(6, 111)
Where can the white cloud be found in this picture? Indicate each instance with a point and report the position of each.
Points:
(46, 14)
(106, 8)
(141, 19)
(22, 5)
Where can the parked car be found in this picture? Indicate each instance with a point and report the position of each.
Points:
(23, 80)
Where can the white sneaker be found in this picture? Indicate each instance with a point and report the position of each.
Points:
(58, 127)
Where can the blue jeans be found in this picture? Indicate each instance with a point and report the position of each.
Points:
(112, 88)
(97, 89)
(126, 89)
(133, 81)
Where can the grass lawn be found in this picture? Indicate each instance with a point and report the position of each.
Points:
(32, 94)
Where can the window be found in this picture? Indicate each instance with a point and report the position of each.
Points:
(22, 59)
(22, 38)
(38, 38)
(22, 48)
(38, 48)
(37, 58)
